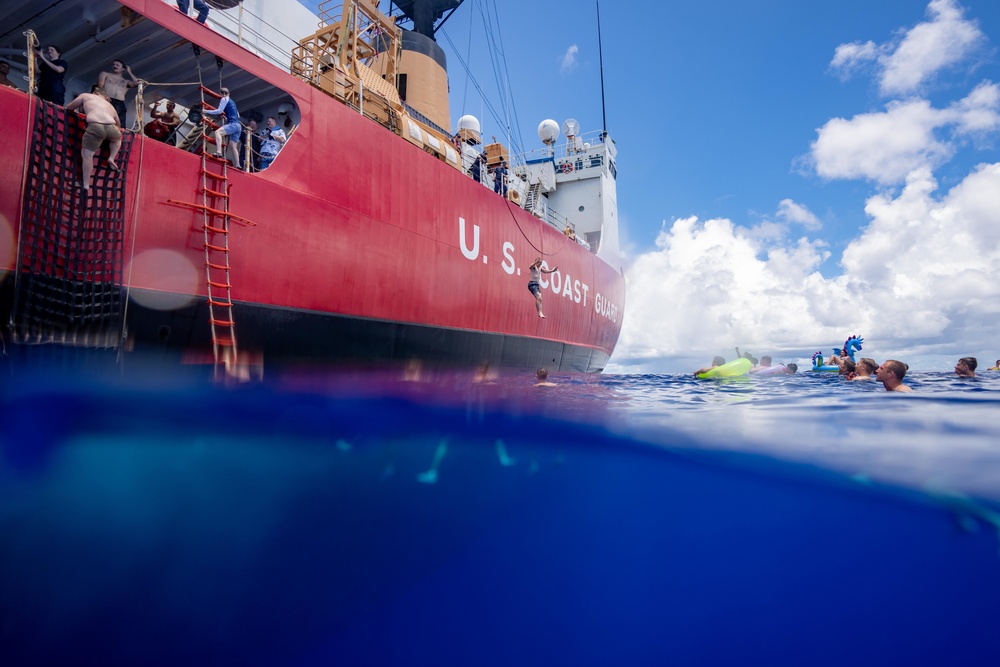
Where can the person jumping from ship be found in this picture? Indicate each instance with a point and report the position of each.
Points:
(534, 282)
(102, 125)
(231, 128)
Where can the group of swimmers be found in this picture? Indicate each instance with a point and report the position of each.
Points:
(890, 373)
(764, 367)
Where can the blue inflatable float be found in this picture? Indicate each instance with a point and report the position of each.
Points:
(851, 347)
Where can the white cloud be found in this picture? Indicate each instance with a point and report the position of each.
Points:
(882, 147)
(887, 146)
(569, 62)
(790, 211)
(906, 64)
(929, 47)
(918, 281)
(979, 112)
(849, 58)
(919, 277)
(714, 272)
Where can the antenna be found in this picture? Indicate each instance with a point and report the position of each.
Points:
(600, 55)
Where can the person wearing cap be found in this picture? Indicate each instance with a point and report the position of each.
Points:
(500, 178)
(272, 138)
(231, 128)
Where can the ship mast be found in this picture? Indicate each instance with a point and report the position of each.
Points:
(600, 57)
(425, 13)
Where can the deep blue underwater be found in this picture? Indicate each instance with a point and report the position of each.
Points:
(416, 517)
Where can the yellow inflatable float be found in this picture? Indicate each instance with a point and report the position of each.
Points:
(736, 367)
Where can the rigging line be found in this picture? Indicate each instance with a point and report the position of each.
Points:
(517, 223)
(506, 70)
(468, 57)
(131, 261)
(32, 42)
(266, 39)
(482, 95)
(496, 55)
(517, 140)
(171, 83)
(475, 83)
(492, 48)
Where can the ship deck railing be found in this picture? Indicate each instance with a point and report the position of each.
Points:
(277, 47)
(581, 145)
(234, 24)
(548, 216)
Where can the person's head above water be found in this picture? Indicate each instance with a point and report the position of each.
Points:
(966, 367)
(718, 361)
(897, 367)
(866, 366)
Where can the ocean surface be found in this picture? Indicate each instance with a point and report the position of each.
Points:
(422, 517)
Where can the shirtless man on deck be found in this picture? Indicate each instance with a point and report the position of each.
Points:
(102, 125)
(115, 85)
(168, 120)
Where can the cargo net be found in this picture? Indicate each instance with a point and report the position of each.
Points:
(68, 288)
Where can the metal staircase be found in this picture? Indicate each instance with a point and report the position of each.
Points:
(534, 195)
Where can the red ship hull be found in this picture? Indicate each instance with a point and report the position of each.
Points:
(365, 247)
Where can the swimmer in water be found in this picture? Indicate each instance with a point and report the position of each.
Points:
(966, 367)
(542, 376)
(891, 374)
(718, 361)
(865, 369)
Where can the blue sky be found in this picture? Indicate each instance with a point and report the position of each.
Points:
(790, 173)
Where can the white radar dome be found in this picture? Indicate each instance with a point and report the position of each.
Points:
(548, 131)
(571, 127)
(468, 129)
(468, 123)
